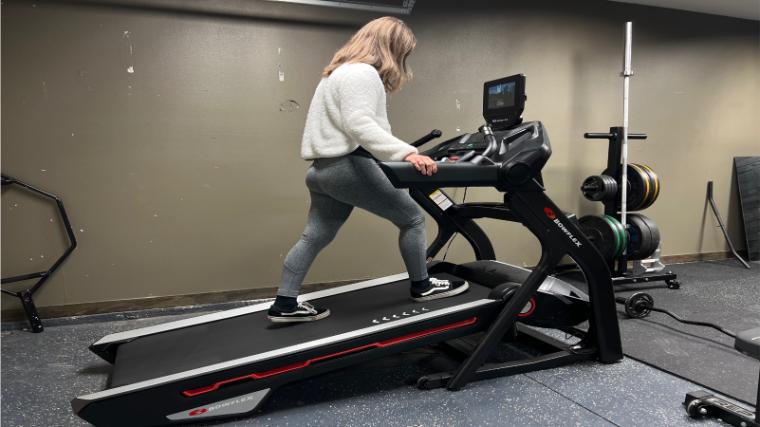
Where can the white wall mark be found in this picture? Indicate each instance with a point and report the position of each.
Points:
(126, 35)
(289, 106)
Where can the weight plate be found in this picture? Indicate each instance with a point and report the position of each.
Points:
(623, 236)
(593, 188)
(654, 242)
(610, 187)
(615, 224)
(601, 233)
(640, 237)
(638, 187)
(616, 231)
(599, 187)
(634, 239)
(654, 182)
(649, 184)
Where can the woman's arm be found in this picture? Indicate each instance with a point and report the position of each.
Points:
(360, 91)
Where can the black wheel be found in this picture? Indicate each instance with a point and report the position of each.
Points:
(696, 409)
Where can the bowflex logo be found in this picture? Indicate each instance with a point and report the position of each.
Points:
(553, 216)
(221, 405)
(236, 405)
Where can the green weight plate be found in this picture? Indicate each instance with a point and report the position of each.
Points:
(614, 224)
(622, 235)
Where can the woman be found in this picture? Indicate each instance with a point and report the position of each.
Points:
(346, 129)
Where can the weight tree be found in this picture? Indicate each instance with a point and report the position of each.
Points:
(638, 238)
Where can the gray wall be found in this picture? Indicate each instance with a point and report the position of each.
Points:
(183, 176)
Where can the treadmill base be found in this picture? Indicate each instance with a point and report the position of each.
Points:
(555, 354)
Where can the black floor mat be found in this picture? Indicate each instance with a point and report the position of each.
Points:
(721, 292)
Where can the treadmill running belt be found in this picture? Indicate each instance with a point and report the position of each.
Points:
(189, 348)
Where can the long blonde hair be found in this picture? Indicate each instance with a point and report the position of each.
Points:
(385, 43)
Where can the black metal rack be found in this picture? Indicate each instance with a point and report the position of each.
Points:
(612, 207)
(26, 295)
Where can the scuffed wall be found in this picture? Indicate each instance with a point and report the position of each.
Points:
(173, 137)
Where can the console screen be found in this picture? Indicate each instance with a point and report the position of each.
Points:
(501, 95)
(504, 101)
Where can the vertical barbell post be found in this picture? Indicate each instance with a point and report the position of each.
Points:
(627, 73)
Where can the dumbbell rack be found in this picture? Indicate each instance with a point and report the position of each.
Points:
(619, 265)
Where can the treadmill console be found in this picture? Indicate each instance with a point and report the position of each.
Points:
(504, 101)
(504, 149)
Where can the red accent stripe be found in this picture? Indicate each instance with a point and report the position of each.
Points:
(532, 309)
(299, 365)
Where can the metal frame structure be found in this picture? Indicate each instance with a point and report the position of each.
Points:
(722, 225)
(528, 204)
(619, 265)
(26, 295)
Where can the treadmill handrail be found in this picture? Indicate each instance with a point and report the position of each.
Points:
(309, 345)
(405, 175)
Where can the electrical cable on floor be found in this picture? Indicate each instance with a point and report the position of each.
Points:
(640, 305)
(695, 322)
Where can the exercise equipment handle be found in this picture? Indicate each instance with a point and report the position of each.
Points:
(607, 135)
(435, 133)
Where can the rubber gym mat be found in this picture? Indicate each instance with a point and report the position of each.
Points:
(748, 181)
(721, 292)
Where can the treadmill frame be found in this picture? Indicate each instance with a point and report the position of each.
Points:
(525, 201)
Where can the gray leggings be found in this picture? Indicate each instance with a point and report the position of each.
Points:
(338, 184)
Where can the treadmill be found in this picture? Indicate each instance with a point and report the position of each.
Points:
(226, 363)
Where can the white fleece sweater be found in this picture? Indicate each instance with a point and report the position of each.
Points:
(349, 110)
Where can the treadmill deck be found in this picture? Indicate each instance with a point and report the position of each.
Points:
(201, 345)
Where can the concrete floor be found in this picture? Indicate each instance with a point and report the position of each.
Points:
(42, 372)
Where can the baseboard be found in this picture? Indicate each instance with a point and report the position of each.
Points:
(707, 256)
(73, 310)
